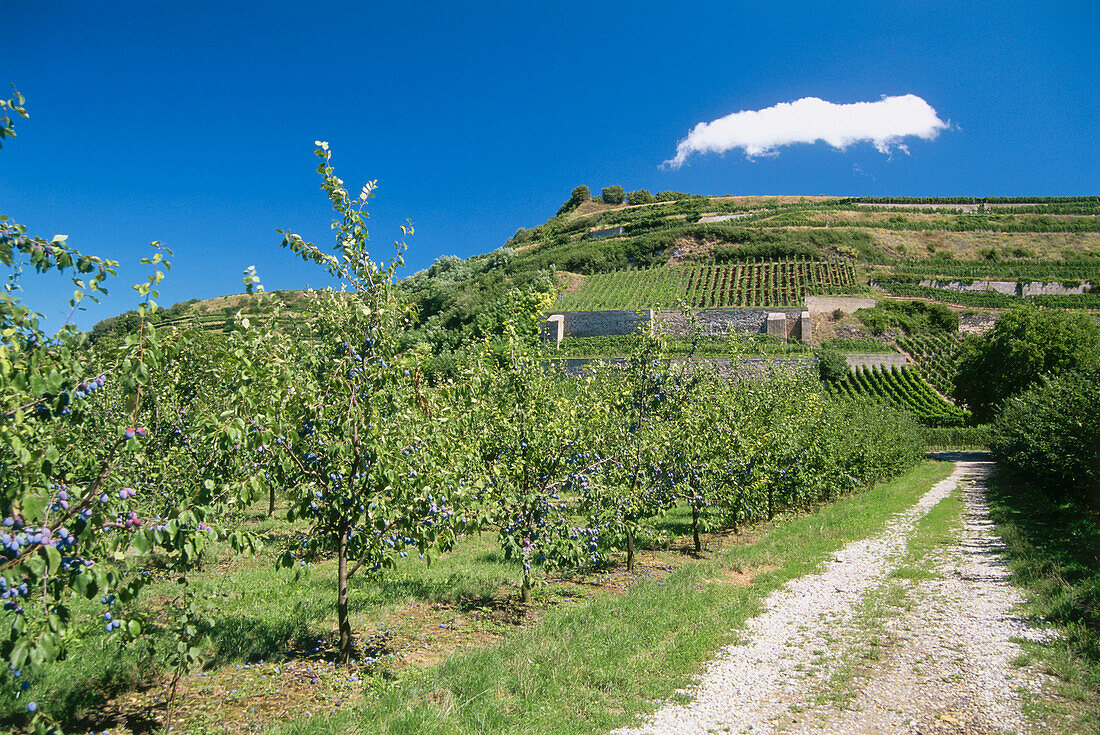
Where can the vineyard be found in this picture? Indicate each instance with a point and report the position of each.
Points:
(902, 388)
(935, 356)
(752, 284)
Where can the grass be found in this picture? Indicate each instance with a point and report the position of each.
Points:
(257, 615)
(453, 650)
(593, 667)
(1054, 552)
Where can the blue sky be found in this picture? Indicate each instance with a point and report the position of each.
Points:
(193, 122)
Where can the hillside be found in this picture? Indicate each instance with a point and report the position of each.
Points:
(754, 251)
(891, 245)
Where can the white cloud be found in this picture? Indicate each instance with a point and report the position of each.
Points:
(809, 120)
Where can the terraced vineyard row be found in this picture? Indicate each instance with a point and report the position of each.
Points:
(988, 299)
(903, 388)
(1009, 270)
(768, 283)
(935, 357)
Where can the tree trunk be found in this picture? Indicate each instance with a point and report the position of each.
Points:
(271, 502)
(525, 590)
(630, 550)
(695, 528)
(344, 654)
(771, 503)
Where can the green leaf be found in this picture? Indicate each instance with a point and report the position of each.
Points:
(142, 544)
(33, 506)
(53, 559)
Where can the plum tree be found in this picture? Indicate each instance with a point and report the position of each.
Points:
(368, 457)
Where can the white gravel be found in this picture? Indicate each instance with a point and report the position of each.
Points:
(949, 672)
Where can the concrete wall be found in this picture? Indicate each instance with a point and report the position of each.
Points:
(829, 304)
(553, 329)
(880, 360)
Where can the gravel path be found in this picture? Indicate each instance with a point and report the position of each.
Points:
(948, 671)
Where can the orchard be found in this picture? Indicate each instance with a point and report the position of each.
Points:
(123, 461)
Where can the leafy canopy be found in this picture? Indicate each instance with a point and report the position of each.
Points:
(1024, 345)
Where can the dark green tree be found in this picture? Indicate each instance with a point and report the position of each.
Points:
(613, 194)
(640, 196)
(1050, 435)
(1024, 345)
(579, 196)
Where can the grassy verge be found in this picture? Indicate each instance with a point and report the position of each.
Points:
(594, 667)
(1054, 552)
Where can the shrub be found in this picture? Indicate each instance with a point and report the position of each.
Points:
(670, 196)
(1050, 434)
(613, 194)
(912, 317)
(640, 196)
(1024, 345)
(832, 366)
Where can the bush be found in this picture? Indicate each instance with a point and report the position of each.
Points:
(1024, 345)
(613, 194)
(832, 366)
(640, 196)
(1050, 434)
(913, 317)
(957, 436)
(670, 196)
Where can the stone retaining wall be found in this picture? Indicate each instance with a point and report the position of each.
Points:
(602, 323)
(609, 232)
(1010, 288)
(720, 322)
(722, 217)
(976, 323)
(785, 323)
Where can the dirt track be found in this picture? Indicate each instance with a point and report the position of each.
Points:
(871, 644)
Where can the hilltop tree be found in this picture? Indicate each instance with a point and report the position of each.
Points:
(613, 194)
(579, 196)
(640, 196)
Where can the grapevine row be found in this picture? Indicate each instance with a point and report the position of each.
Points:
(765, 283)
(935, 357)
(902, 388)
